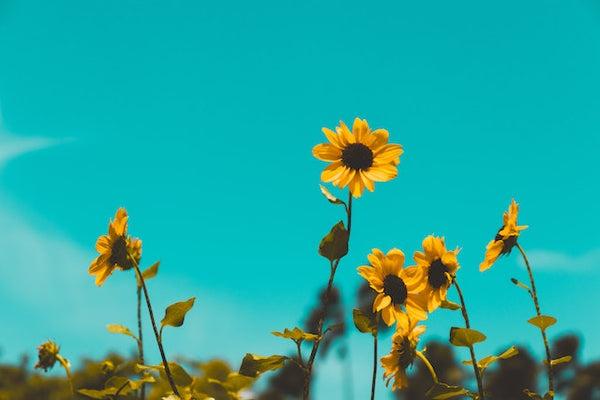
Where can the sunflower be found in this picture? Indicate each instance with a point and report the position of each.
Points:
(505, 239)
(404, 345)
(397, 288)
(439, 267)
(117, 250)
(358, 158)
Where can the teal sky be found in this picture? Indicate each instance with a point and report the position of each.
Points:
(200, 117)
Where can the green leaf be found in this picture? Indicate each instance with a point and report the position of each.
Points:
(180, 376)
(175, 313)
(296, 334)
(532, 395)
(116, 328)
(335, 244)
(363, 322)
(97, 394)
(464, 337)
(560, 360)
(450, 305)
(215, 369)
(485, 362)
(254, 365)
(329, 196)
(542, 321)
(440, 391)
(236, 382)
(151, 271)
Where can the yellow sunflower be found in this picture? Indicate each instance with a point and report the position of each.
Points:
(505, 239)
(117, 250)
(404, 345)
(397, 288)
(439, 267)
(358, 158)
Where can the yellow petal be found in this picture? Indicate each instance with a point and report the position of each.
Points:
(327, 152)
(103, 244)
(381, 172)
(333, 138)
(356, 186)
(332, 171)
(360, 129)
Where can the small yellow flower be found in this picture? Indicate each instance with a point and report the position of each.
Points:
(439, 267)
(117, 250)
(47, 355)
(505, 239)
(404, 345)
(358, 158)
(397, 287)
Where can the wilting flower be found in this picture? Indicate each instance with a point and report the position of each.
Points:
(47, 355)
(358, 158)
(505, 239)
(404, 345)
(117, 250)
(439, 267)
(397, 287)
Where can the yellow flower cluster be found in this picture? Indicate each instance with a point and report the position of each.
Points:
(406, 295)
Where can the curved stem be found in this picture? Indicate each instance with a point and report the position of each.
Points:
(334, 264)
(156, 334)
(537, 310)
(140, 341)
(374, 360)
(428, 365)
(471, 350)
(65, 365)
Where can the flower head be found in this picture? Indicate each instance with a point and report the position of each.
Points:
(358, 158)
(505, 239)
(117, 250)
(404, 345)
(397, 287)
(439, 266)
(47, 355)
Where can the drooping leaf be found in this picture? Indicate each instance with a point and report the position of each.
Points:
(464, 337)
(329, 196)
(254, 365)
(440, 391)
(522, 285)
(485, 362)
(151, 271)
(450, 305)
(116, 328)
(542, 321)
(363, 322)
(335, 244)
(296, 335)
(175, 313)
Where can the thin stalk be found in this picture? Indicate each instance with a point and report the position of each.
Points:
(65, 365)
(140, 341)
(333, 264)
(156, 334)
(472, 351)
(537, 310)
(428, 365)
(374, 360)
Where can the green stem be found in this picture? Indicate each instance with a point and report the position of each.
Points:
(65, 365)
(333, 264)
(537, 310)
(140, 341)
(428, 365)
(471, 350)
(374, 359)
(156, 334)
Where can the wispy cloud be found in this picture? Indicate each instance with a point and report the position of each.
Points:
(554, 260)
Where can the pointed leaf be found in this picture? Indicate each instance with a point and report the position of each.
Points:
(560, 360)
(254, 365)
(116, 328)
(329, 196)
(296, 335)
(464, 337)
(335, 244)
(542, 321)
(485, 362)
(151, 271)
(175, 313)
(450, 305)
(440, 391)
(363, 322)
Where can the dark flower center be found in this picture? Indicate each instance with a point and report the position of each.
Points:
(508, 243)
(395, 287)
(406, 356)
(119, 254)
(357, 156)
(437, 274)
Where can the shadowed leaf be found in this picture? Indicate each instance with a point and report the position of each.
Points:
(363, 322)
(440, 391)
(296, 335)
(464, 337)
(151, 271)
(450, 305)
(175, 313)
(335, 244)
(254, 365)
